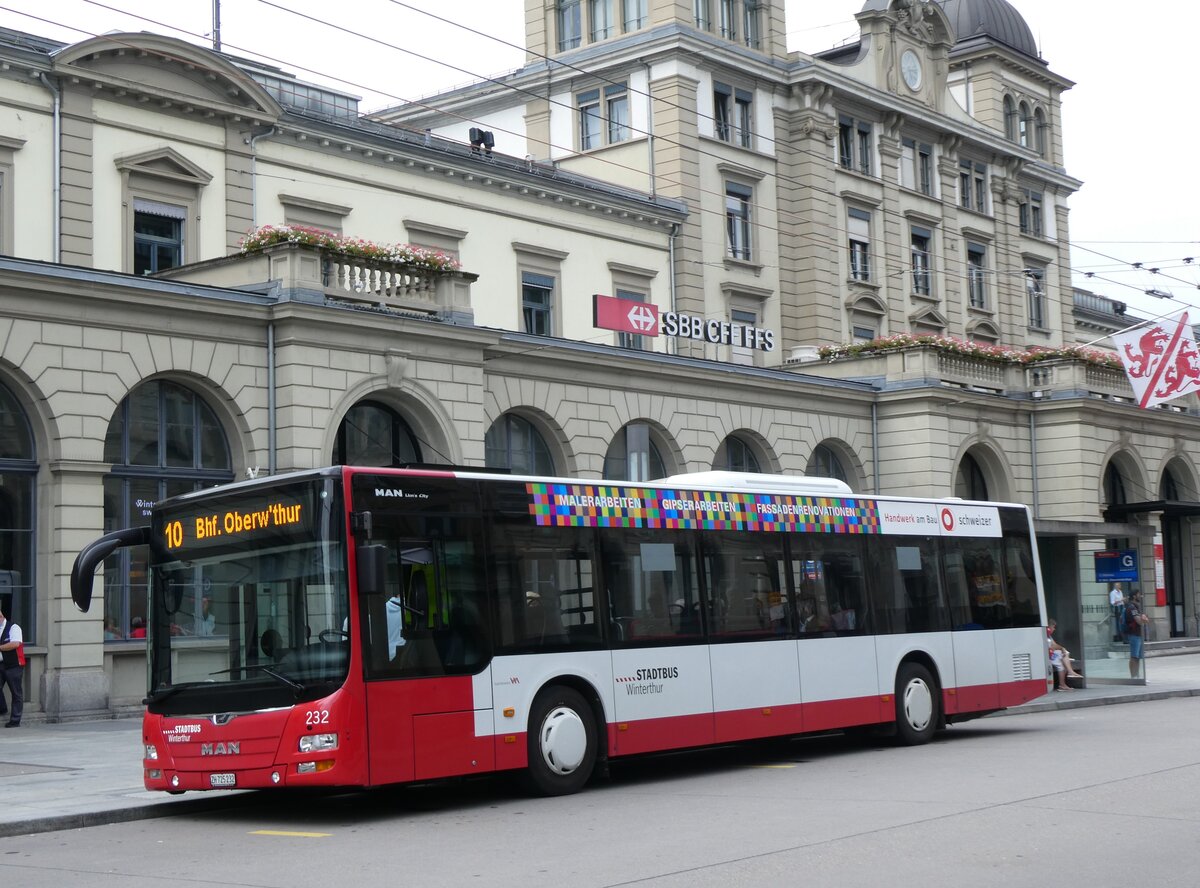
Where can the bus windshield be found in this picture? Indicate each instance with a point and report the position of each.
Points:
(249, 599)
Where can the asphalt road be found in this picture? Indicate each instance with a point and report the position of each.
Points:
(1102, 796)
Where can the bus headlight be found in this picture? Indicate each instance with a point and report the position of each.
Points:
(318, 742)
(151, 752)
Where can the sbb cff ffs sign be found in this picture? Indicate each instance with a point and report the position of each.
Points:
(644, 319)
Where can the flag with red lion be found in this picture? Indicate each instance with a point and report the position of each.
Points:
(1160, 360)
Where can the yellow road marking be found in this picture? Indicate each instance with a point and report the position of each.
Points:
(281, 832)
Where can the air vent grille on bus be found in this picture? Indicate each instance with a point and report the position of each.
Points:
(1022, 667)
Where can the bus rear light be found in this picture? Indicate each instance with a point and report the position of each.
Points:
(151, 752)
(318, 742)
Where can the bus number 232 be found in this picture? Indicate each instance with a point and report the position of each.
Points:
(316, 717)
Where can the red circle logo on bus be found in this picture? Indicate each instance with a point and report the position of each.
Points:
(947, 519)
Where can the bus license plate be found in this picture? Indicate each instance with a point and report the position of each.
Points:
(227, 779)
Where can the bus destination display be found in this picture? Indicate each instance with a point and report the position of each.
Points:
(215, 524)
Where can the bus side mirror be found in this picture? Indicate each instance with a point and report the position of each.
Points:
(83, 571)
(372, 569)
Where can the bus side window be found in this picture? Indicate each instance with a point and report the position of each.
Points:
(650, 585)
(745, 584)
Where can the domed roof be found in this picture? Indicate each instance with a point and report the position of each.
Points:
(974, 19)
(996, 19)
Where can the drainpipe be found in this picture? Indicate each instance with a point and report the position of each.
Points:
(673, 343)
(1033, 458)
(252, 140)
(56, 154)
(650, 134)
(271, 405)
(875, 445)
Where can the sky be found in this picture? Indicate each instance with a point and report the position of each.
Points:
(1130, 125)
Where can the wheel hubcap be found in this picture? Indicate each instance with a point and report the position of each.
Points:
(563, 740)
(918, 704)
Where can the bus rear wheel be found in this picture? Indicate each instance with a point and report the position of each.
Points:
(562, 742)
(918, 709)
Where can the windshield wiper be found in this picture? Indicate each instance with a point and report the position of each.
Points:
(162, 694)
(270, 670)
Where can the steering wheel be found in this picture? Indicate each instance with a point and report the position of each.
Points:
(330, 636)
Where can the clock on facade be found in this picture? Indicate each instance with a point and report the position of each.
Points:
(910, 68)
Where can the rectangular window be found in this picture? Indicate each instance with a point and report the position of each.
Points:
(972, 185)
(907, 595)
(544, 586)
(631, 340)
(590, 123)
(922, 239)
(634, 14)
(977, 275)
(617, 99)
(570, 25)
(728, 19)
(740, 354)
(858, 226)
(916, 166)
(602, 19)
(830, 577)
(537, 303)
(1035, 289)
(743, 106)
(1031, 212)
(752, 22)
(855, 150)
(746, 584)
(737, 219)
(157, 236)
(651, 586)
(703, 14)
(722, 112)
(861, 333)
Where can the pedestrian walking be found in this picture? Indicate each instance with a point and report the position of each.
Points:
(12, 656)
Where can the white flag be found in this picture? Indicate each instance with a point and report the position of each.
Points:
(1160, 360)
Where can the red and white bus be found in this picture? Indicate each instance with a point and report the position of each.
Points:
(365, 626)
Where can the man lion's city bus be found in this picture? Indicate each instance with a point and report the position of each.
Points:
(365, 626)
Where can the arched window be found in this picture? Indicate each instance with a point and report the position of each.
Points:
(1010, 119)
(633, 456)
(18, 472)
(735, 455)
(513, 443)
(1024, 124)
(1039, 131)
(1168, 489)
(162, 441)
(1114, 486)
(824, 463)
(970, 483)
(373, 434)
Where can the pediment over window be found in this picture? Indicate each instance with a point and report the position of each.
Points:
(866, 303)
(929, 319)
(164, 163)
(173, 74)
(983, 331)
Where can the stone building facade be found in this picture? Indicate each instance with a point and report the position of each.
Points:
(142, 353)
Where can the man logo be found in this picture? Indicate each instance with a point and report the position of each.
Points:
(389, 492)
(233, 747)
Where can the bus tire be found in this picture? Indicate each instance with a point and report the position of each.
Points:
(562, 742)
(917, 705)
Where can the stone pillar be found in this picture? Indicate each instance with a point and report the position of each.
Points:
(74, 683)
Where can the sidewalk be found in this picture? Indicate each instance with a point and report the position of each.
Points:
(77, 774)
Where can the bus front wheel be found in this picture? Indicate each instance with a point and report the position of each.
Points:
(562, 742)
(917, 705)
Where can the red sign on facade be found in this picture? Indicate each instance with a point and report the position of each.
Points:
(624, 315)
